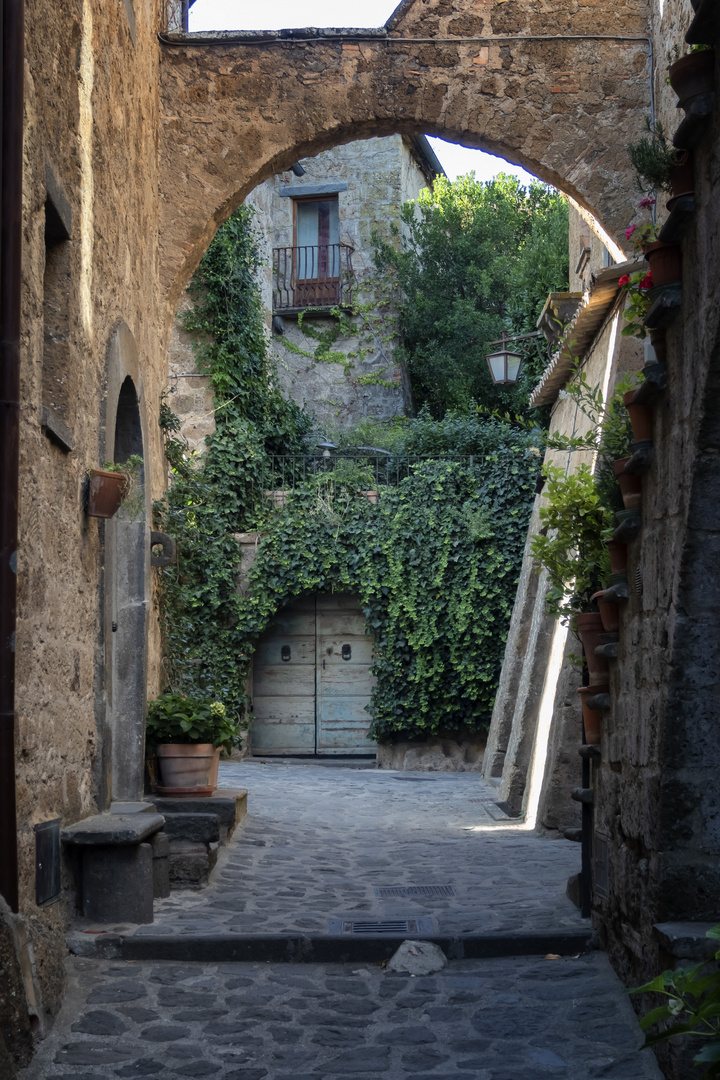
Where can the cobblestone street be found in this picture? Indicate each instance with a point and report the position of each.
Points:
(316, 844)
(318, 840)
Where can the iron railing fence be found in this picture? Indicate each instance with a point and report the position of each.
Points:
(371, 471)
(312, 275)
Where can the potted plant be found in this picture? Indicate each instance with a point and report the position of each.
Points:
(113, 485)
(693, 74)
(574, 555)
(653, 157)
(592, 718)
(187, 734)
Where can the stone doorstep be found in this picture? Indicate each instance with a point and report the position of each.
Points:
(686, 940)
(229, 805)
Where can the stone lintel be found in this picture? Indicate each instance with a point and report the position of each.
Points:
(297, 191)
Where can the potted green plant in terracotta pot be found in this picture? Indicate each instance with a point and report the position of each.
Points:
(574, 555)
(660, 166)
(115, 485)
(187, 734)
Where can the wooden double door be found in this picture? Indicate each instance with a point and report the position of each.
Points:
(312, 681)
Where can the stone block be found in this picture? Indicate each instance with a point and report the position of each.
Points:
(228, 804)
(113, 829)
(161, 865)
(201, 828)
(189, 865)
(117, 883)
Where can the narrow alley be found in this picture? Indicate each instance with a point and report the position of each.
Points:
(523, 993)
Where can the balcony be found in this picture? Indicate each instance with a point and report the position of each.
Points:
(311, 276)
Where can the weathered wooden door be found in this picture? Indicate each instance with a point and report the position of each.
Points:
(311, 680)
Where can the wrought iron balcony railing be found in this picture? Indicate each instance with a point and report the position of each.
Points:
(312, 275)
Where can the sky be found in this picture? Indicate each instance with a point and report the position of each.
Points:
(282, 14)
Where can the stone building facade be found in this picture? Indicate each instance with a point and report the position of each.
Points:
(137, 144)
(364, 184)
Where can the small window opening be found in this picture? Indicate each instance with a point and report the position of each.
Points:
(58, 393)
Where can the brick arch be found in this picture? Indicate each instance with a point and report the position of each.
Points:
(233, 113)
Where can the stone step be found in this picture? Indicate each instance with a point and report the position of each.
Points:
(190, 863)
(345, 948)
(200, 828)
(229, 805)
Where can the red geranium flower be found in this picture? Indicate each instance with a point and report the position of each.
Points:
(624, 280)
(647, 282)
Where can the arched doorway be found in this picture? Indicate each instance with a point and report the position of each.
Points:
(127, 585)
(312, 681)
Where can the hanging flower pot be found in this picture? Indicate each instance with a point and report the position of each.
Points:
(682, 179)
(105, 493)
(641, 418)
(590, 630)
(665, 263)
(592, 718)
(693, 74)
(618, 556)
(630, 485)
(609, 612)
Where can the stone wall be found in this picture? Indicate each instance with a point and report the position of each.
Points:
(90, 303)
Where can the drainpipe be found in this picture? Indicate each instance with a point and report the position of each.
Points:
(11, 134)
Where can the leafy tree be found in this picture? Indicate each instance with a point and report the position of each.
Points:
(473, 260)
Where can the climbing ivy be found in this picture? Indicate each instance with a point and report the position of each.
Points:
(434, 561)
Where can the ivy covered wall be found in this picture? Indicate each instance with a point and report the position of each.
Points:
(435, 560)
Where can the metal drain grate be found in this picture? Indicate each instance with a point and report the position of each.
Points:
(380, 926)
(415, 890)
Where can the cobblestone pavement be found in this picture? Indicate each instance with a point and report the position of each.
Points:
(318, 841)
(499, 1019)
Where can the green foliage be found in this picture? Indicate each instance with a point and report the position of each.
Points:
(692, 1009)
(434, 561)
(579, 507)
(177, 718)
(652, 158)
(474, 260)
(571, 546)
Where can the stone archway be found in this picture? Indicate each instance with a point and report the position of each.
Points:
(534, 89)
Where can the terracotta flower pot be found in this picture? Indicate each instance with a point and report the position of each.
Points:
(630, 485)
(105, 493)
(185, 765)
(693, 74)
(592, 718)
(682, 179)
(213, 774)
(665, 263)
(372, 495)
(618, 556)
(641, 418)
(590, 631)
(609, 612)
(659, 344)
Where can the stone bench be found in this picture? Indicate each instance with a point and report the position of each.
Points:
(116, 865)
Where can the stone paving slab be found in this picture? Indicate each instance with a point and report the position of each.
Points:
(317, 842)
(500, 1019)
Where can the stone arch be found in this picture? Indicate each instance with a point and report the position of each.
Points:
(126, 583)
(236, 111)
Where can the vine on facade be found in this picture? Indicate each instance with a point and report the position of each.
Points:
(434, 561)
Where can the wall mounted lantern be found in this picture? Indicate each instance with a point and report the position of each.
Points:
(505, 365)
